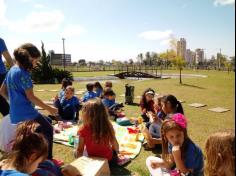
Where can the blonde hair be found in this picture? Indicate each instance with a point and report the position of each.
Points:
(70, 88)
(220, 154)
(95, 116)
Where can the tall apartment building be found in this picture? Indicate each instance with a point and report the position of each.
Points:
(199, 55)
(181, 48)
(190, 56)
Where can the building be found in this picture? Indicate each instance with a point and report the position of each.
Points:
(199, 55)
(181, 48)
(189, 56)
(58, 59)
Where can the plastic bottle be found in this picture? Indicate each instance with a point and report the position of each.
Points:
(76, 144)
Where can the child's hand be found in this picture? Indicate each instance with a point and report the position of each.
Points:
(144, 110)
(176, 151)
(56, 98)
(156, 164)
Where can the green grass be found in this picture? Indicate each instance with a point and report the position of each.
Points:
(215, 90)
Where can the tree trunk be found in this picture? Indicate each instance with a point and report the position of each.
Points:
(180, 77)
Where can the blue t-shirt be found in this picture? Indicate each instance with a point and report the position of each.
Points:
(61, 94)
(73, 102)
(193, 158)
(89, 95)
(18, 81)
(108, 103)
(3, 48)
(12, 173)
(99, 92)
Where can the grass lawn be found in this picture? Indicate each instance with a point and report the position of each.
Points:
(215, 90)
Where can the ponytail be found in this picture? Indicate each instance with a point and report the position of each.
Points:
(179, 108)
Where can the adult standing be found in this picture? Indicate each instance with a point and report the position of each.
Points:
(4, 106)
(18, 87)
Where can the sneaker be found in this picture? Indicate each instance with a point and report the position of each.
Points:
(122, 160)
(146, 147)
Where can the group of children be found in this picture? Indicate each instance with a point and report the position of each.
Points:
(164, 117)
(167, 125)
(69, 104)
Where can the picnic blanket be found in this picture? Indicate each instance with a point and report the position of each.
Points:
(130, 144)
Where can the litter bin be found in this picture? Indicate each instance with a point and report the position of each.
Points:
(129, 94)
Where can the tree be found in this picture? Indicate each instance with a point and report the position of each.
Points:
(232, 59)
(131, 62)
(82, 62)
(45, 74)
(140, 58)
(179, 63)
(228, 65)
(147, 60)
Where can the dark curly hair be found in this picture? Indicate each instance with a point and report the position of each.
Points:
(25, 53)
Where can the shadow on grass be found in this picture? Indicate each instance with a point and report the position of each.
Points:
(193, 86)
(133, 104)
(120, 170)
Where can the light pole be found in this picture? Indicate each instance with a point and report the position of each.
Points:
(64, 55)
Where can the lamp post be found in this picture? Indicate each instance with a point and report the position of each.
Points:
(64, 55)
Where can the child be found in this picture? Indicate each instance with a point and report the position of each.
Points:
(97, 133)
(4, 110)
(108, 97)
(108, 84)
(89, 94)
(147, 103)
(170, 106)
(18, 87)
(220, 154)
(177, 149)
(152, 131)
(65, 82)
(109, 102)
(68, 106)
(24, 130)
(98, 89)
(29, 149)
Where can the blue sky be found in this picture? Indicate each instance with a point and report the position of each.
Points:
(118, 29)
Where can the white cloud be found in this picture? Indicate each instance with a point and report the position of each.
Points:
(39, 6)
(224, 2)
(38, 22)
(72, 31)
(156, 35)
(3, 9)
(43, 21)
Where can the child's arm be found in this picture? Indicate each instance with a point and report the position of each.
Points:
(8, 58)
(115, 145)
(176, 152)
(35, 100)
(80, 148)
(3, 91)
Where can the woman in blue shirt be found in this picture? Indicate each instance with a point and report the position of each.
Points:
(18, 87)
(4, 106)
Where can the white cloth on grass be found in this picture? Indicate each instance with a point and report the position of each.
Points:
(7, 133)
